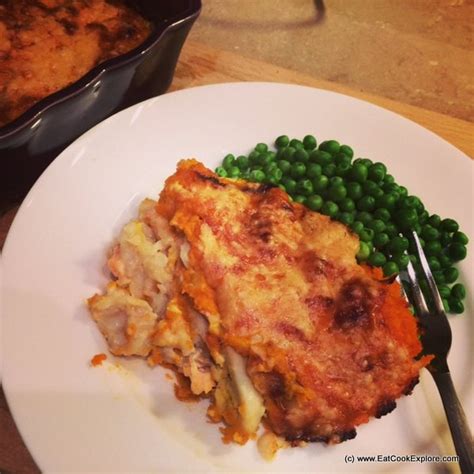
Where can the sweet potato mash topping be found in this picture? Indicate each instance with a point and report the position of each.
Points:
(47, 45)
(276, 320)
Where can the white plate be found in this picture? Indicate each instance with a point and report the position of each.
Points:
(125, 418)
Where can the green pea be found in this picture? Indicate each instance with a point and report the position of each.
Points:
(366, 203)
(366, 235)
(287, 153)
(460, 238)
(309, 142)
(320, 157)
(343, 169)
(220, 171)
(456, 306)
(261, 147)
(304, 187)
(402, 261)
(320, 183)
(405, 219)
(444, 260)
(405, 202)
(314, 202)
(398, 245)
(390, 268)
(389, 179)
(369, 187)
(433, 248)
(359, 173)
(265, 158)
(434, 264)
(423, 215)
(354, 190)
(377, 259)
(242, 162)
(285, 166)
(347, 150)
(269, 167)
(403, 191)
(364, 161)
(299, 198)
(391, 188)
(434, 221)
(387, 201)
(376, 225)
(444, 291)
(274, 176)
(233, 172)
(439, 277)
(313, 170)
(297, 170)
(449, 225)
(364, 217)
(381, 239)
(391, 229)
(331, 146)
(357, 227)
(254, 157)
(330, 208)
(329, 170)
(347, 204)
(337, 192)
(377, 193)
(451, 274)
(301, 155)
(342, 159)
(382, 214)
(446, 307)
(228, 161)
(429, 233)
(364, 251)
(289, 184)
(282, 141)
(457, 251)
(418, 205)
(294, 142)
(335, 181)
(458, 291)
(346, 218)
(377, 172)
(257, 176)
(445, 238)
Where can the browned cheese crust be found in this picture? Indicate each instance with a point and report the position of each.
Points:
(49, 44)
(327, 343)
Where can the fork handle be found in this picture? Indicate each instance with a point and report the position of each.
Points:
(457, 421)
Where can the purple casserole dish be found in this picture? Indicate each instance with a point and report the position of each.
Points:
(30, 142)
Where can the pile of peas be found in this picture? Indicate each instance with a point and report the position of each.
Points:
(362, 195)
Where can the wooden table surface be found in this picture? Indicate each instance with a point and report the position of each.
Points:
(200, 65)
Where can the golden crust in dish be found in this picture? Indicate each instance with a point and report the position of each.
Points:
(260, 304)
(46, 45)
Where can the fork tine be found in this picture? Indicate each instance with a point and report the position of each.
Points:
(429, 276)
(416, 293)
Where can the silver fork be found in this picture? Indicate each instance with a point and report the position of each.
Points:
(436, 339)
